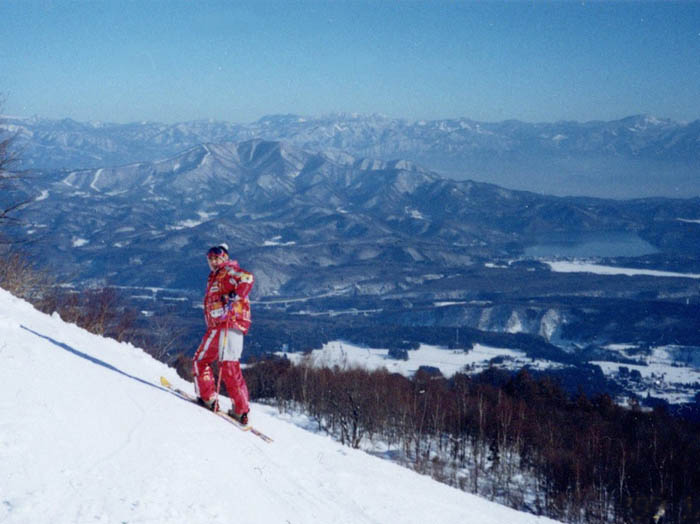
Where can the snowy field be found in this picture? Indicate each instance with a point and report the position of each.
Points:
(661, 375)
(580, 266)
(664, 372)
(88, 435)
(449, 362)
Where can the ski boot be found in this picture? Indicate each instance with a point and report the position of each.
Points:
(242, 418)
(209, 404)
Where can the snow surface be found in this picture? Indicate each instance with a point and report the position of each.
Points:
(79, 242)
(191, 223)
(88, 435)
(93, 184)
(277, 241)
(43, 196)
(563, 266)
(347, 355)
(414, 213)
(662, 374)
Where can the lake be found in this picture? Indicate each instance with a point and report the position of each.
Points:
(586, 245)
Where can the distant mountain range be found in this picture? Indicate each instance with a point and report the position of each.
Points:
(342, 243)
(382, 245)
(638, 156)
(296, 213)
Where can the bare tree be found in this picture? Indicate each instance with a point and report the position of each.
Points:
(166, 332)
(19, 276)
(10, 201)
(17, 273)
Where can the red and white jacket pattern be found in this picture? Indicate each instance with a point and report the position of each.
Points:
(228, 284)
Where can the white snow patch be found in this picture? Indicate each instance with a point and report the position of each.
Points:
(68, 181)
(620, 347)
(43, 196)
(414, 213)
(14, 129)
(79, 242)
(549, 323)
(669, 372)
(93, 184)
(424, 278)
(277, 241)
(659, 379)
(514, 324)
(190, 223)
(563, 266)
(448, 303)
(689, 220)
(348, 355)
(268, 182)
(186, 224)
(206, 158)
(483, 131)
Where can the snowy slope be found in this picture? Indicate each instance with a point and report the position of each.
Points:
(87, 435)
(348, 355)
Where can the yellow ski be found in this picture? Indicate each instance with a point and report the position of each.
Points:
(186, 396)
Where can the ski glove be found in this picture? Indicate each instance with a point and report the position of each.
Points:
(230, 298)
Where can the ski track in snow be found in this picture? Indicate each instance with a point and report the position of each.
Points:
(87, 435)
(93, 184)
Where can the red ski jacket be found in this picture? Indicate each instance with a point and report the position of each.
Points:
(226, 301)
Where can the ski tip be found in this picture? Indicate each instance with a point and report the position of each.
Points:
(164, 381)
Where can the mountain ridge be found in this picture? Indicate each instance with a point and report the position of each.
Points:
(634, 156)
(385, 244)
(259, 191)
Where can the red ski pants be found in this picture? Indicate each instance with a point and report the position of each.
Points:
(218, 344)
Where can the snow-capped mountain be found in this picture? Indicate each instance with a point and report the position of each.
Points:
(328, 233)
(88, 434)
(292, 210)
(632, 157)
(381, 242)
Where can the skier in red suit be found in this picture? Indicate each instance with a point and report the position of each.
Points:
(227, 314)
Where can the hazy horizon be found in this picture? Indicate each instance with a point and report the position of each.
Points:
(340, 114)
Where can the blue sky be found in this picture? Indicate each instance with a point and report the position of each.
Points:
(175, 60)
